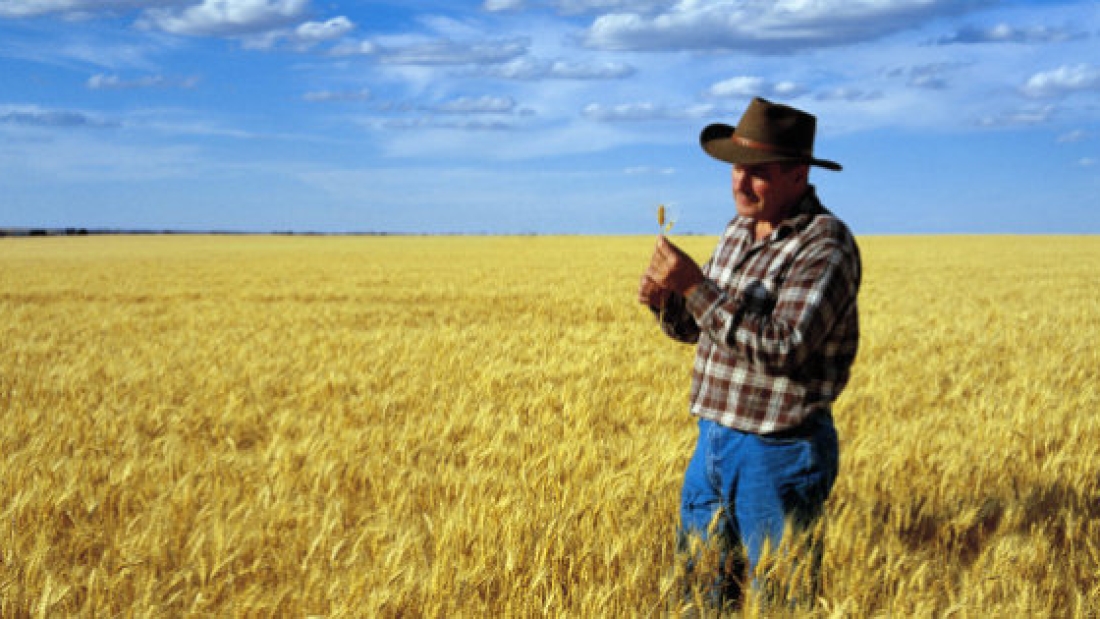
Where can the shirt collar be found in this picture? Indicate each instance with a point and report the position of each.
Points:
(804, 212)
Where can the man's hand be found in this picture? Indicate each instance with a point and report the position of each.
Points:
(670, 269)
(649, 293)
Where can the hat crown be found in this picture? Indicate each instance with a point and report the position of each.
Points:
(778, 125)
(768, 132)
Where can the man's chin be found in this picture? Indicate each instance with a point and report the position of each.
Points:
(747, 210)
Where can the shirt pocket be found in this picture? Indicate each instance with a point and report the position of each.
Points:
(758, 297)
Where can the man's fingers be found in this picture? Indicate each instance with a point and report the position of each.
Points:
(664, 251)
(667, 250)
(647, 290)
(662, 245)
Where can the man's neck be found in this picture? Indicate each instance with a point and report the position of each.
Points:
(763, 228)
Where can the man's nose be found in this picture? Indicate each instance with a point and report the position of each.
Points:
(739, 180)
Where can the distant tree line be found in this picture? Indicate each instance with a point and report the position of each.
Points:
(44, 232)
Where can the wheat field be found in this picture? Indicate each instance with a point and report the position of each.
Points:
(491, 426)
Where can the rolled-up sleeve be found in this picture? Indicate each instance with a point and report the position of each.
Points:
(779, 325)
(676, 321)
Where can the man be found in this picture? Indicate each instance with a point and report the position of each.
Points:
(774, 316)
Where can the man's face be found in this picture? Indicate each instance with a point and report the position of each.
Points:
(767, 191)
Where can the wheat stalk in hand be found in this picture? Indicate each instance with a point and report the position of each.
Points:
(664, 222)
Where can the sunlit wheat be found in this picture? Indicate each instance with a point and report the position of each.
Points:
(493, 427)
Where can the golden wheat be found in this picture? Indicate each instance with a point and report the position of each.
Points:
(352, 427)
(664, 222)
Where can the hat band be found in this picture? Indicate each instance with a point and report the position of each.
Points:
(771, 148)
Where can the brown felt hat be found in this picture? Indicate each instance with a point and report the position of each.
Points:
(768, 132)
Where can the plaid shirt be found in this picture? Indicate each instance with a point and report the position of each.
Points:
(776, 321)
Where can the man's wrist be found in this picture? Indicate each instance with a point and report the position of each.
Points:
(700, 297)
(692, 287)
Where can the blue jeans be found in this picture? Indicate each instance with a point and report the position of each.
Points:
(741, 489)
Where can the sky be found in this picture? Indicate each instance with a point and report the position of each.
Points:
(540, 116)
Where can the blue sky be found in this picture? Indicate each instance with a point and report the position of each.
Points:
(544, 116)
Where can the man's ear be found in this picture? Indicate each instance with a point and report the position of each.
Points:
(803, 173)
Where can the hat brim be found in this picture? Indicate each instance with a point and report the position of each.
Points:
(715, 140)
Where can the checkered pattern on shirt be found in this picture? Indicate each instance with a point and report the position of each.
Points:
(776, 321)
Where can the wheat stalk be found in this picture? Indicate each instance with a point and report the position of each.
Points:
(663, 222)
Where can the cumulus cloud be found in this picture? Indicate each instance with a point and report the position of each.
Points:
(260, 23)
(765, 26)
(32, 8)
(1006, 33)
(304, 36)
(535, 69)
(1064, 80)
(226, 17)
(316, 32)
(751, 86)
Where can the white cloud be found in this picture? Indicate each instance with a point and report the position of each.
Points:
(354, 48)
(642, 111)
(1026, 116)
(316, 32)
(304, 36)
(103, 81)
(1070, 137)
(477, 105)
(765, 26)
(444, 52)
(536, 69)
(502, 5)
(226, 17)
(337, 95)
(645, 170)
(1087, 162)
(461, 125)
(36, 116)
(31, 8)
(592, 6)
(625, 111)
(751, 86)
(1064, 80)
(1007, 33)
(931, 76)
(845, 93)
